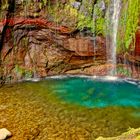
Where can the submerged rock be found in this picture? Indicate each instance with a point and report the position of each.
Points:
(4, 133)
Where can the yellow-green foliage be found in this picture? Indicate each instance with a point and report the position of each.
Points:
(84, 17)
(99, 21)
(45, 2)
(23, 72)
(3, 7)
(63, 14)
(128, 24)
(131, 21)
(95, 23)
(138, 137)
(4, 4)
(91, 17)
(84, 22)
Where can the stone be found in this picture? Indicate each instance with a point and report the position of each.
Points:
(84, 46)
(137, 43)
(81, 46)
(4, 133)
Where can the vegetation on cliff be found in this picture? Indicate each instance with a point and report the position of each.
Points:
(55, 24)
(128, 25)
(90, 15)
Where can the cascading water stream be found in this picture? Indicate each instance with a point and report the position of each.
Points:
(94, 34)
(112, 30)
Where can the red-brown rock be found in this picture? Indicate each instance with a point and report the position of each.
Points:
(137, 44)
(84, 46)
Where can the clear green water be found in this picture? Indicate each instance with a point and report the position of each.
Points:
(69, 108)
(90, 92)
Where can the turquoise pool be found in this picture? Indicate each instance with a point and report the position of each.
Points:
(70, 107)
(95, 92)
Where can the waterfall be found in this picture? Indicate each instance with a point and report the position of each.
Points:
(94, 34)
(112, 30)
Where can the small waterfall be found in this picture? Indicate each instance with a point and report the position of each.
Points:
(112, 30)
(94, 34)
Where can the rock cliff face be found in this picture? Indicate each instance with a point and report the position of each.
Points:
(40, 38)
(34, 46)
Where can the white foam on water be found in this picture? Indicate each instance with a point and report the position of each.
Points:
(94, 77)
(110, 78)
(36, 79)
(56, 77)
(102, 78)
(31, 79)
(131, 82)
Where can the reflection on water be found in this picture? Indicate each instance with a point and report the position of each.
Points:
(69, 108)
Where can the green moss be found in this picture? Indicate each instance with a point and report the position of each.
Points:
(22, 72)
(128, 25)
(138, 138)
(94, 20)
(124, 71)
(84, 22)
(91, 16)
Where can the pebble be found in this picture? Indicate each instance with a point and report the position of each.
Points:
(4, 133)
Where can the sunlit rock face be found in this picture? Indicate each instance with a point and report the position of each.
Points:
(84, 46)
